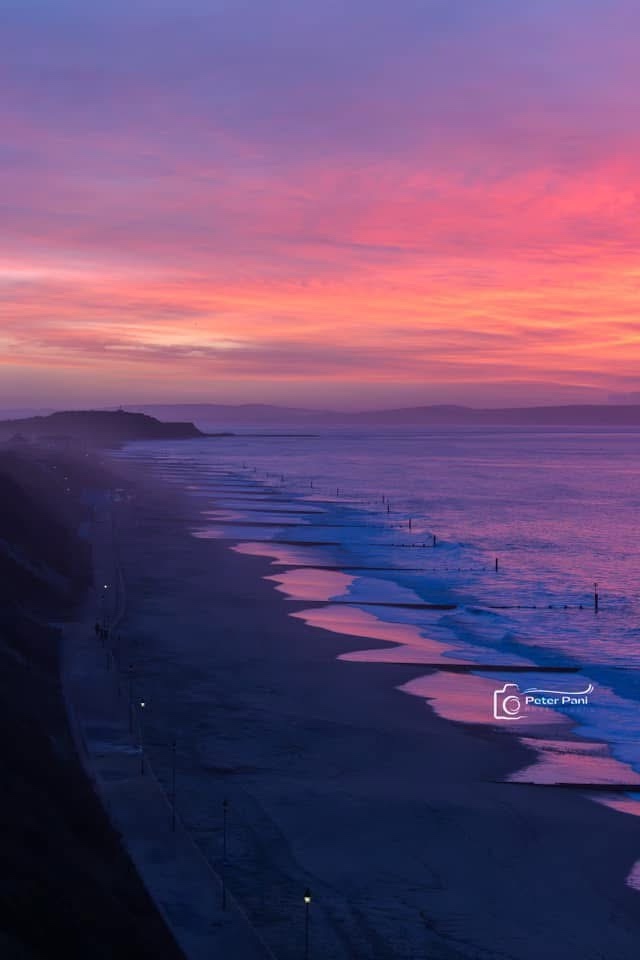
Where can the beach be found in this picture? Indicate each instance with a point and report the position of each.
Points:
(336, 781)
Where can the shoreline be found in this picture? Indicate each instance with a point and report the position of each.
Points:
(365, 713)
(587, 760)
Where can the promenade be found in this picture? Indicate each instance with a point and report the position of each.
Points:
(108, 731)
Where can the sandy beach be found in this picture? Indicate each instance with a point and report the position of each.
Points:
(339, 782)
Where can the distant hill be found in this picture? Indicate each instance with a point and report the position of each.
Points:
(97, 427)
(265, 415)
(575, 415)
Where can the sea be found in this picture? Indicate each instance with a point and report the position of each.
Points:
(506, 561)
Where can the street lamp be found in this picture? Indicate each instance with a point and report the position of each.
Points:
(225, 807)
(130, 689)
(307, 903)
(142, 706)
(105, 587)
(173, 786)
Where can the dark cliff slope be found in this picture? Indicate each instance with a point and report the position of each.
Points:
(67, 888)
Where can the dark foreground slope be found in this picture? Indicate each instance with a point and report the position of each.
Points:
(66, 886)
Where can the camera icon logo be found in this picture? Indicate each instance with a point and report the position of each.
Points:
(507, 703)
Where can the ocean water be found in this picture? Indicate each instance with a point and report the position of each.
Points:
(394, 536)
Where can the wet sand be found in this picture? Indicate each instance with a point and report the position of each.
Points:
(338, 781)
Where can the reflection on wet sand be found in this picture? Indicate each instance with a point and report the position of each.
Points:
(623, 803)
(223, 514)
(575, 761)
(430, 652)
(355, 622)
(633, 880)
(208, 533)
(234, 529)
(282, 554)
(469, 698)
(263, 518)
(308, 583)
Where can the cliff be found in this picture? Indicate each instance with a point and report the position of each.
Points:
(96, 428)
(67, 888)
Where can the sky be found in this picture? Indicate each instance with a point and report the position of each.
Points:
(343, 204)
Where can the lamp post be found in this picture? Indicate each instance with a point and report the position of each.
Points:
(104, 605)
(116, 656)
(140, 737)
(225, 807)
(307, 903)
(130, 683)
(173, 786)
